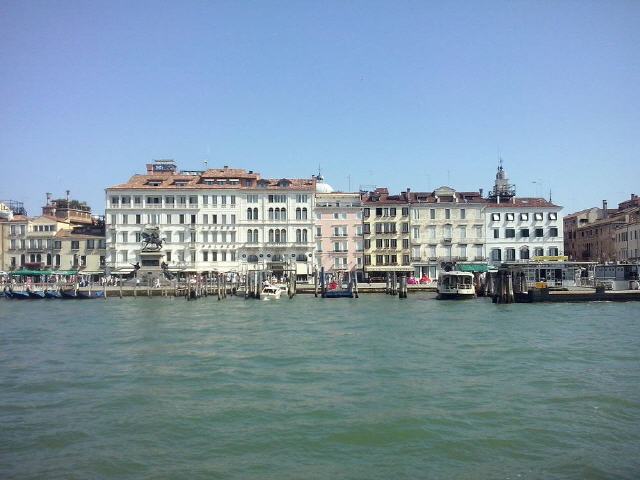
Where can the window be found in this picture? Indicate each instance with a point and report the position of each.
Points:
(495, 217)
(416, 232)
(510, 217)
(463, 231)
(193, 219)
(524, 232)
(539, 232)
(252, 198)
(510, 254)
(524, 253)
(553, 251)
(432, 214)
(538, 252)
(91, 244)
(496, 255)
(463, 213)
(510, 233)
(496, 233)
(538, 216)
(447, 213)
(524, 217)
(405, 211)
(553, 216)
(553, 232)
(405, 243)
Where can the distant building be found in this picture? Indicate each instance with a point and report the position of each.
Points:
(220, 219)
(62, 238)
(446, 227)
(386, 233)
(603, 234)
(519, 228)
(338, 223)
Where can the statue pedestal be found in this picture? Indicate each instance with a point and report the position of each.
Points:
(150, 268)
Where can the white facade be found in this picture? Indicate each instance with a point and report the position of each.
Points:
(517, 231)
(445, 226)
(216, 220)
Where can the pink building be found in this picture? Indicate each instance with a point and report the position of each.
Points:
(338, 223)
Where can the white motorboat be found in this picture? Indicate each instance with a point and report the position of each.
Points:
(270, 292)
(456, 286)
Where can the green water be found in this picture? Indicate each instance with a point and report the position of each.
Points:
(309, 388)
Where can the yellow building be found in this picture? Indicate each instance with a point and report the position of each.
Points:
(386, 233)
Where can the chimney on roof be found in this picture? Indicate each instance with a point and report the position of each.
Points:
(481, 192)
(604, 209)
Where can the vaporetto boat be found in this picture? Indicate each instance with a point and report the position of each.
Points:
(455, 286)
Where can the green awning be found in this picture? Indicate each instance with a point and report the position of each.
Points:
(33, 273)
(472, 267)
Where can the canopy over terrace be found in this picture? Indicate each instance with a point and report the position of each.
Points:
(33, 273)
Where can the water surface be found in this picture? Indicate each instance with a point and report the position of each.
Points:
(371, 388)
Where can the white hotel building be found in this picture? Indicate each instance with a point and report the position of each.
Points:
(224, 220)
(520, 229)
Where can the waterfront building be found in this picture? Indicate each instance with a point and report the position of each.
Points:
(627, 238)
(338, 223)
(386, 233)
(220, 219)
(519, 228)
(65, 237)
(447, 227)
(602, 234)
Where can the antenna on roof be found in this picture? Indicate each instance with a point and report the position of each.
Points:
(550, 196)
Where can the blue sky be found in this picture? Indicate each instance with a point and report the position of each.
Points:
(399, 94)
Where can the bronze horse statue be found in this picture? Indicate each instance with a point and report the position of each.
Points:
(151, 239)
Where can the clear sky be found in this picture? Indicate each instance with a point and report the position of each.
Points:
(400, 94)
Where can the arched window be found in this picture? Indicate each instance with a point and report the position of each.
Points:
(283, 236)
(48, 259)
(283, 214)
(255, 213)
(38, 258)
(298, 213)
(304, 214)
(271, 214)
(277, 214)
(249, 236)
(255, 236)
(252, 259)
(298, 236)
(524, 253)
(538, 252)
(277, 239)
(271, 235)
(304, 235)
(249, 214)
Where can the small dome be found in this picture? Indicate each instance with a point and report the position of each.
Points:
(322, 187)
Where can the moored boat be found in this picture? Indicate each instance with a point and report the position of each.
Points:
(456, 286)
(36, 294)
(270, 292)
